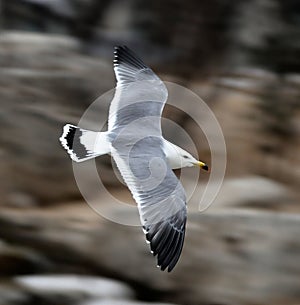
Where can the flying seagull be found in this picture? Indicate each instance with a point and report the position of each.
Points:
(144, 158)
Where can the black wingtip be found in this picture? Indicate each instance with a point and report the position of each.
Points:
(166, 241)
(124, 55)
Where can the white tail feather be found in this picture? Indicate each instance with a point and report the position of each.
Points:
(84, 144)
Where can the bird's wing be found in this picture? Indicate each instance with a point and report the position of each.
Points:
(137, 148)
(158, 193)
(135, 83)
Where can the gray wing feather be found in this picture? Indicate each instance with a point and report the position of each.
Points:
(158, 193)
(137, 148)
(136, 83)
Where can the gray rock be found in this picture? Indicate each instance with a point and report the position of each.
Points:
(20, 260)
(73, 287)
(44, 83)
(121, 302)
(59, 7)
(230, 256)
(11, 294)
(36, 51)
(253, 191)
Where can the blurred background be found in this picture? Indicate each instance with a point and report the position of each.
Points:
(243, 59)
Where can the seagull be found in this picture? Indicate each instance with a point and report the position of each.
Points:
(143, 156)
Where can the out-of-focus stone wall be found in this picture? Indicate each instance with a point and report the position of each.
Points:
(229, 257)
(44, 82)
(242, 58)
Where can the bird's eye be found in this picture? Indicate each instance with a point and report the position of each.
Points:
(185, 157)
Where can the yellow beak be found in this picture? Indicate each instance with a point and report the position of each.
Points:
(202, 165)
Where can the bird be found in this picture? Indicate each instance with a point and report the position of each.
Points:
(144, 158)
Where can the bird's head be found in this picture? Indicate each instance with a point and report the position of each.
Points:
(179, 158)
(187, 160)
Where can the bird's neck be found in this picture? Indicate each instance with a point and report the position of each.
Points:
(172, 153)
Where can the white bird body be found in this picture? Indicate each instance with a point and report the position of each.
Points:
(144, 158)
(98, 143)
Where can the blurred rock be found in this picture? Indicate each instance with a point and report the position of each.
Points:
(253, 191)
(37, 51)
(59, 7)
(71, 289)
(10, 294)
(21, 200)
(20, 260)
(230, 256)
(44, 83)
(117, 302)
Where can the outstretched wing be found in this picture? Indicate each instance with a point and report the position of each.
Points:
(137, 147)
(158, 193)
(135, 83)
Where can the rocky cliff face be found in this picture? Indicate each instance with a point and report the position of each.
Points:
(44, 82)
(230, 256)
(243, 250)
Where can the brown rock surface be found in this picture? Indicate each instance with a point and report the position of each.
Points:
(230, 256)
(44, 83)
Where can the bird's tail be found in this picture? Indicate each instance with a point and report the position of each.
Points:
(83, 144)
